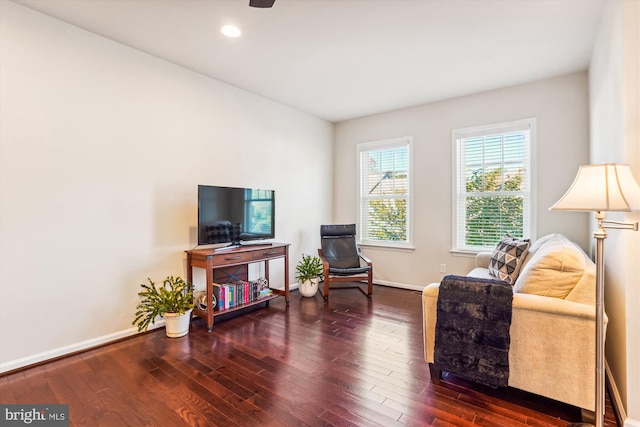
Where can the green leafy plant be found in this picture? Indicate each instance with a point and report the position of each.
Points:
(388, 219)
(489, 217)
(173, 296)
(308, 268)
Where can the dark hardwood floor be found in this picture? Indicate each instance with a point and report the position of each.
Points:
(351, 362)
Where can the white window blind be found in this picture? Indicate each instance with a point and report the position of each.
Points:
(385, 192)
(493, 180)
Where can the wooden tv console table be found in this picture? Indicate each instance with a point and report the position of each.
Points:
(233, 264)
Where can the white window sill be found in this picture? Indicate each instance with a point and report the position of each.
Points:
(388, 246)
(468, 254)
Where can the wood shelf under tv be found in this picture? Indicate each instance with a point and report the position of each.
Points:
(227, 265)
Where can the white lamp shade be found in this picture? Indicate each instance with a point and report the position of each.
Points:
(605, 187)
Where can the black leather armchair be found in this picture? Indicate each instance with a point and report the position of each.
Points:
(342, 260)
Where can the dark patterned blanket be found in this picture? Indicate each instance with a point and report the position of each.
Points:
(472, 329)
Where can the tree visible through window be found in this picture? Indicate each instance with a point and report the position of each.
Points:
(384, 192)
(493, 184)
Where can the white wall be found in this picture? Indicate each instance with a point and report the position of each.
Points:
(614, 85)
(561, 108)
(102, 149)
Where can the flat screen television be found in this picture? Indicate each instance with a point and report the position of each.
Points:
(229, 215)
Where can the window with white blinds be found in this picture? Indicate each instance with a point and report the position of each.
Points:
(385, 192)
(493, 184)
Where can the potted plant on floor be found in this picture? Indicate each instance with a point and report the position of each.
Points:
(309, 272)
(173, 301)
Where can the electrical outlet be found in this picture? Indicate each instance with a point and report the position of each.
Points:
(443, 268)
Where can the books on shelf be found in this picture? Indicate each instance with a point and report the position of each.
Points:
(229, 295)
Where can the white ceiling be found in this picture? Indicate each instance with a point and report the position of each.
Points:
(341, 59)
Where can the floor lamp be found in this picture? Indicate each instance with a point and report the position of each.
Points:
(602, 188)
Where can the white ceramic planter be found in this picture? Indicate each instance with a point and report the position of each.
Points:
(177, 325)
(308, 288)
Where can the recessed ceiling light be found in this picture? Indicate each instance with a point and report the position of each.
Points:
(231, 31)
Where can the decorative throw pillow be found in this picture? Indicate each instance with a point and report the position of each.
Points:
(507, 258)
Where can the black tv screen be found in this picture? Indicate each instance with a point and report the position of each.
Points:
(234, 215)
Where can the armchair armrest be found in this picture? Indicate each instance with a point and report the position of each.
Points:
(325, 263)
(364, 258)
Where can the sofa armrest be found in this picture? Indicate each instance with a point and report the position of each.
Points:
(554, 306)
(429, 304)
(553, 349)
(483, 259)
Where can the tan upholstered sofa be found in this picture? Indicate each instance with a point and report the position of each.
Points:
(552, 332)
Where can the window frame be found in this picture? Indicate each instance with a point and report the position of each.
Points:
(529, 194)
(364, 147)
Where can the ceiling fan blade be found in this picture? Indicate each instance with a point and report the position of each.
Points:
(261, 3)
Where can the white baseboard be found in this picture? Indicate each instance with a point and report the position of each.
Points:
(399, 285)
(73, 348)
(616, 400)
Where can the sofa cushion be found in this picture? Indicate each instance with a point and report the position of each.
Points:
(533, 248)
(555, 268)
(507, 258)
(482, 273)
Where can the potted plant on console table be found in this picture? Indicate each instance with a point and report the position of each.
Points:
(173, 301)
(309, 272)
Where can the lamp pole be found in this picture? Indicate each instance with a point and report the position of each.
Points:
(602, 188)
(600, 234)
